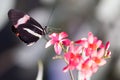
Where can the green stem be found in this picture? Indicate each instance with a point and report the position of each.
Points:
(71, 75)
(70, 72)
(63, 47)
(57, 57)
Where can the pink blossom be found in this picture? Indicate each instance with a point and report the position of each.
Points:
(73, 57)
(85, 55)
(97, 56)
(58, 40)
(88, 68)
(94, 52)
(91, 64)
(90, 44)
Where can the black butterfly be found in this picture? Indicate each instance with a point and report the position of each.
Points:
(25, 27)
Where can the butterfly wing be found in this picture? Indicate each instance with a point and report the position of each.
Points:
(15, 15)
(25, 27)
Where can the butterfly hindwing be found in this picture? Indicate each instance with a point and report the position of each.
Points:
(28, 33)
(25, 27)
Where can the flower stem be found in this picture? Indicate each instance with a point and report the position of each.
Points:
(63, 47)
(71, 75)
(70, 72)
(57, 57)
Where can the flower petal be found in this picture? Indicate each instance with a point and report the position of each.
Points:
(102, 62)
(100, 53)
(57, 48)
(78, 49)
(66, 42)
(87, 64)
(99, 42)
(90, 37)
(108, 54)
(94, 68)
(65, 69)
(93, 53)
(54, 36)
(83, 42)
(88, 52)
(62, 35)
(107, 45)
(49, 43)
(67, 56)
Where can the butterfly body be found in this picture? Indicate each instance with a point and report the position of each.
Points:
(25, 27)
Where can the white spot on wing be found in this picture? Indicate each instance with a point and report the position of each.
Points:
(38, 27)
(32, 32)
(30, 44)
(22, 20)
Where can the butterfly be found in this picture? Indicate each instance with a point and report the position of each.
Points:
(25, 27)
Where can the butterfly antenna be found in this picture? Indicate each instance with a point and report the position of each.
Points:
(52, 11)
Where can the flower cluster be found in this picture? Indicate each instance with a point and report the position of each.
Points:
(85, 55)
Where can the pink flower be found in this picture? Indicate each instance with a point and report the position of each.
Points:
(58, 40)
(90, 44)
(94, 54)
(98, 57)
(88, 68)
(85, 55)
(73, 57)
(91, 64)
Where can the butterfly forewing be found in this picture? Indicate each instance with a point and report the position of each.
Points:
(15, 15)
(25, 27)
